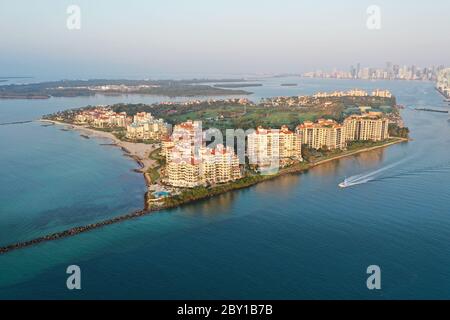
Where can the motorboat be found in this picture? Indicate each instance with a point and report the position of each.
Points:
(344, 184)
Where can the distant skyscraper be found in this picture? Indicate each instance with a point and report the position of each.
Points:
(389, 70)
(353, 72)
(388, 66)
(396, 70)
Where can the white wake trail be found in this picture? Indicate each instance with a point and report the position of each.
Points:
(367, 177)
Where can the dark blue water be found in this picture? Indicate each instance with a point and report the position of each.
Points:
(295, 237)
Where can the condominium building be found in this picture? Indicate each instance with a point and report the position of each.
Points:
(167, 144)
(371, 126)
(102, 117)
(142, 117)
(220, 165)
(213, 166)
(145, 127)
(350, 93)
(187, 137)
(354, 93)
(190, 131)
(268, 146)
(357, 93)
(185, 173)
(191, 164)
(290, 144)
(443, 82)
(323, 134)
(382, 93)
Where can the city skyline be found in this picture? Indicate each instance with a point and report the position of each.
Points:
(391, 71)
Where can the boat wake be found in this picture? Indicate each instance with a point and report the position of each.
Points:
(378, 175)
(438, 169)
(367, 177)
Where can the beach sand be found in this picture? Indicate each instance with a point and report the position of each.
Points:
(138, 151)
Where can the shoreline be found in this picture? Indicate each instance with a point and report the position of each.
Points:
(138, 152)
(446, 97)
(148, 209)
(296, 169)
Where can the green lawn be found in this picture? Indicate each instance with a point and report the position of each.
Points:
(251, 117)
(154, 173)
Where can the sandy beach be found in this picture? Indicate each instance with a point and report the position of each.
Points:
(138, 151)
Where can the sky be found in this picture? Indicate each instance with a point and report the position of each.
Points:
(148, 38)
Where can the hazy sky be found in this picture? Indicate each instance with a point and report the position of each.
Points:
(149, 37)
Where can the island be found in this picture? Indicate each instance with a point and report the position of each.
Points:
(277, 136)
(238, 85)
(76, 88)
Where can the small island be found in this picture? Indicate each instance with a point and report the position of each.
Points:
(238, 85)
(281, 135)
(289, 84)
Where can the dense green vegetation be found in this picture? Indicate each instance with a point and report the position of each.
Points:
(356, 145)
(156, 155)
(396, 131)
(120, 134)
(311, 155)
(189, 195)
(223, 114)
(154, 172)
(272, 112)
(249, 117)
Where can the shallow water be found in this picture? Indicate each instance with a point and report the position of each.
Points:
(298, 236)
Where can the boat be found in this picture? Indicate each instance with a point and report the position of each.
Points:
(344, 184)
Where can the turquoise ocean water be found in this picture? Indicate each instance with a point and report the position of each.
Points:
(295, 237)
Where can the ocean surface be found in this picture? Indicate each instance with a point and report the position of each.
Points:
(296, 237)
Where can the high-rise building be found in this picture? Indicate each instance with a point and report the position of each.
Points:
(191, 164)
(213, 166)
(382, 93)
(145, 127)
(324, 134)
(372, 126)
(268, 146)
(102, 117)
